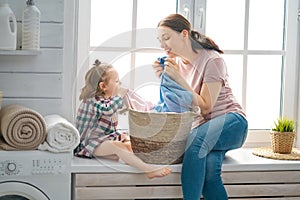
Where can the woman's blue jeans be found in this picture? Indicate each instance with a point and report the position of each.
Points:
(205, 151)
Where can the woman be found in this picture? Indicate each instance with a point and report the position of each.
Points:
(194, 61)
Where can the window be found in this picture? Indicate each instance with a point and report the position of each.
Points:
(121, 39)
(252, 38)
(257, 45)
(258, 41)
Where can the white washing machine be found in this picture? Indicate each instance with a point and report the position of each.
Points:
(35, 175)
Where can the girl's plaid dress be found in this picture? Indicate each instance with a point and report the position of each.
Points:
(96, 122)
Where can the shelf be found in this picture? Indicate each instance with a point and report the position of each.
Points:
(20, 52)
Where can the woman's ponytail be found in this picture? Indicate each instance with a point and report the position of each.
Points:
(201, 41)
(179, 23)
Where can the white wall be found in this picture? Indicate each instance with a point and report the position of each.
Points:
(38, 81)
(298, 74)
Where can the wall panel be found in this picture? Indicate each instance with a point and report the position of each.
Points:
(49, 60)
(36, 81)
(51, 11)
(43, 106)
(31, 85)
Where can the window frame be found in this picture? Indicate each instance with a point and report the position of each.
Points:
(290, 89)
(290, 74)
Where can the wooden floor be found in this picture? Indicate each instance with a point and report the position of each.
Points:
(257, 178)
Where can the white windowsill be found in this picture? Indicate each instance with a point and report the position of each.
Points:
(236, 160)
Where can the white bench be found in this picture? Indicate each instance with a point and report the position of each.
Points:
(245, 177)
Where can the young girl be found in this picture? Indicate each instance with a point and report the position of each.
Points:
(97, 120)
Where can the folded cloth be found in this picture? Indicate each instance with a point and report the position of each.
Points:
(173, 97)
(21, 128)
(62, 135)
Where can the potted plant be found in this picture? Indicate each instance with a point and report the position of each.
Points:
(283, 135)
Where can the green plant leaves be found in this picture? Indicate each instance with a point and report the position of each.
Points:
(284, 125)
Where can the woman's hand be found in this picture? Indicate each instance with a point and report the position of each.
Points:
(171, 63)
(177, 77)
(158, 69)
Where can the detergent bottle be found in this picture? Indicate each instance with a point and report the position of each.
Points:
(8, 28)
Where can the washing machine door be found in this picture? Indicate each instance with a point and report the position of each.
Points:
(20, 191)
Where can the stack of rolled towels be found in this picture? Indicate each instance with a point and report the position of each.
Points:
(62, 136)
(22, 128)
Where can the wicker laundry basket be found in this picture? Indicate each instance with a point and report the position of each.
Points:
(159, 138)
(282, 142)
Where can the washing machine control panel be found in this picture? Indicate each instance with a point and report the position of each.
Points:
(27, 166)
(9, 167)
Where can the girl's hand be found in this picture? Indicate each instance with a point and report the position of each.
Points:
(122, 91)
(158, 69)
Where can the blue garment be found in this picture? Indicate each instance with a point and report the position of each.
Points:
(173, 97)
(205, 151)
(162, 61)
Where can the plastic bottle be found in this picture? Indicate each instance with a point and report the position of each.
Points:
(8, 30)
(31, 26)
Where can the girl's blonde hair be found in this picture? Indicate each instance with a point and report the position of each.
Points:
(97, 74)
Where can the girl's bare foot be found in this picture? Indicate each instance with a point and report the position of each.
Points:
(160, 172)
(111, 157)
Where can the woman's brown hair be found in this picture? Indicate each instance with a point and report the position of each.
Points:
(93, 77)
(179, 23)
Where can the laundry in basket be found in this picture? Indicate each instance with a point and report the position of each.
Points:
(159, 137)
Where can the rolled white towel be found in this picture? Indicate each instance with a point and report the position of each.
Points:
(62, 136)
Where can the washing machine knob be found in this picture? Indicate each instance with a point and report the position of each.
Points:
(11, 167)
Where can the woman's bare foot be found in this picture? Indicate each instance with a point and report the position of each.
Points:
(160, 172)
